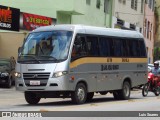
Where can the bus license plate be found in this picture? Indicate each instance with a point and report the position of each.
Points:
(34, 82)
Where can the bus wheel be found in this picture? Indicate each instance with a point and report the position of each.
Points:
(31, 98)
(124, 94)
(79, 96)
(90, 96)
(116, 95)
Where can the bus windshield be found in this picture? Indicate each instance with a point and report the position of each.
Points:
(46, 46)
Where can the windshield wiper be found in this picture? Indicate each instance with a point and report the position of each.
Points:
(31, 56)
(46, 56)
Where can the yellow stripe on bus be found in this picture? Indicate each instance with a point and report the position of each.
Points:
(89, 60)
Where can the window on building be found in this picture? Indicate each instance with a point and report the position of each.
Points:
(88, 2)
(150, 3)
(146, 1)
(145, 25)
(151, 32)
(134, 4)
(148, 29)
(106, 6)
(98, 4)
(153, 5)
(122, 1)
(142, 5)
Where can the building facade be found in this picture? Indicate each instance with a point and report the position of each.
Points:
(32, 12)
(149, 27)
(131, 14)
(88, 12)
(124, 14)
(128, 14)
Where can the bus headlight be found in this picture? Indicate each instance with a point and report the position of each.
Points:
(17, 74)
(59, 74)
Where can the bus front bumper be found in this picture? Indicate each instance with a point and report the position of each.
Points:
(53, 84)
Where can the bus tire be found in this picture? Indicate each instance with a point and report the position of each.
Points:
(79, 96)
(90, 96)
(116, 95)
(124, 94)
(31, 98)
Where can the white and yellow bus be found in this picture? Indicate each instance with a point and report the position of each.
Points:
(78, 61)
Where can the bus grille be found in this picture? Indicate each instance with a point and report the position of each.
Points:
(42, 77)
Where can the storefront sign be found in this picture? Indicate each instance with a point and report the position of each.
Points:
(9, 18)
(31, 21)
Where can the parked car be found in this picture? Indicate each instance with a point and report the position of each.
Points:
(7, 70)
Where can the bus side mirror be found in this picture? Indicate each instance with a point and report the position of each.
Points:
(19, 49)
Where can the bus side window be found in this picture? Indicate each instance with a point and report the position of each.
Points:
(93, 46)
(142, 49)
(79, 48)
(83, 48)
(135, 47)
(104, 46)
(130, 47)
(125, 48)
(117, 47)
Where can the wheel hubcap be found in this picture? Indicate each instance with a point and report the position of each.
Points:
(81, 94)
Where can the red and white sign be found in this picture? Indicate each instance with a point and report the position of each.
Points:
(32, 21)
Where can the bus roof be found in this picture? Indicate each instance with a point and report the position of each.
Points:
(92, 30)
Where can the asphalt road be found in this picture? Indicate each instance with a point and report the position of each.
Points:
(12, 100)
